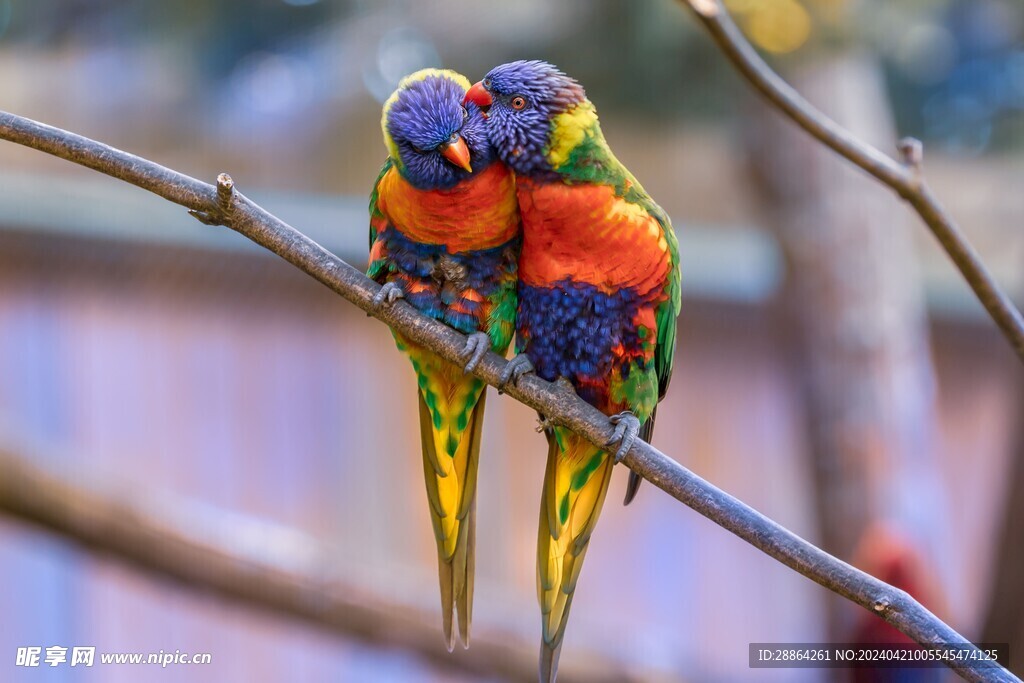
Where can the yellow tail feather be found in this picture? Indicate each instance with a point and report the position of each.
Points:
(575, 485)
(451, 491)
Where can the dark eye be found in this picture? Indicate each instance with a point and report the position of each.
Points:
(418, 150)
(453, 138)
(518, 102)
(487, 83)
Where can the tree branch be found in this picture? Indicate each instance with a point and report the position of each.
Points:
(904, 178)
(135, 532)
(559, 404)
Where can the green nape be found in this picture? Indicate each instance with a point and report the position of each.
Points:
(592, 161)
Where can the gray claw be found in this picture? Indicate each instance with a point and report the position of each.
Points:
(477, 346)
(514, 369)
(627, 429)
(390, 293)
(544, 424)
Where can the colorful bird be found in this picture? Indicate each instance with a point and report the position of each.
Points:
(598, 301)
(445, 236)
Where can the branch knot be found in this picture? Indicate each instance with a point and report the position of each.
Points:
(912, 155)
(224, 211)
(705, 8)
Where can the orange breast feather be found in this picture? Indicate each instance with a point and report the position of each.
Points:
(587, 234)
(478, 213)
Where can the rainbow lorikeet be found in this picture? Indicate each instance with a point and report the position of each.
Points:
(598, 299)
(445, 236)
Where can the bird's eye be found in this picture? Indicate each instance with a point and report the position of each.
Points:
(487, 83)
(453, 138)
(465, 113)
(518, 102)
(416, 148)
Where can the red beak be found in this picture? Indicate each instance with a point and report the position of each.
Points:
(479, 95)
(458, 153)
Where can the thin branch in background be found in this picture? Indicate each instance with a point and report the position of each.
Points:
(135, 532)
(561, 406)
(1006, 590)
(904, 178)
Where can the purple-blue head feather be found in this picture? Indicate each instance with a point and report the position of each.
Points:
(425, 114)
(526, 96)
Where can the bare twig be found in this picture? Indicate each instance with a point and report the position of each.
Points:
(905, 179)
(222, 214)
(137, 533)
(559, 404)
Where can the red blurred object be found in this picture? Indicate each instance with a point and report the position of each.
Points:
(894, 558)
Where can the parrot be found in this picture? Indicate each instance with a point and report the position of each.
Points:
(445, 236)
(599, 295)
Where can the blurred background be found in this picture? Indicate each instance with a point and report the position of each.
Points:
(833, 370)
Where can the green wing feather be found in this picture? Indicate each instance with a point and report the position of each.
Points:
(668, 310)
(377, 269)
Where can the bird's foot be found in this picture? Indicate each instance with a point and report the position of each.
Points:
(477, 345)
(544, 424)
(627, 429)
(389, 293)
(514, 369)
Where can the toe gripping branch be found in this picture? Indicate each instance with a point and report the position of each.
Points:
(388, 293)
(514, 369)
(627, 429)
(477, 346)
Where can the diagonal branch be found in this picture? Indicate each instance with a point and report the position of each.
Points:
(903, 178)
(559, 404)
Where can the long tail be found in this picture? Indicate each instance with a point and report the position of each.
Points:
(575, 485)
(451, 408)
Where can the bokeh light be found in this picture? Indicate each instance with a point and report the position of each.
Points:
(778, 26)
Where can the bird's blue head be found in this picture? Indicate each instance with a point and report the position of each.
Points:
(522, 100)
(433, 138)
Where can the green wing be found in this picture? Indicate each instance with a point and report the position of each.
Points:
(667, 312)
(665, 315)
(377, 221)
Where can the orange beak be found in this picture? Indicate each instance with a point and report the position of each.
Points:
(479, 95)
(458, 153)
